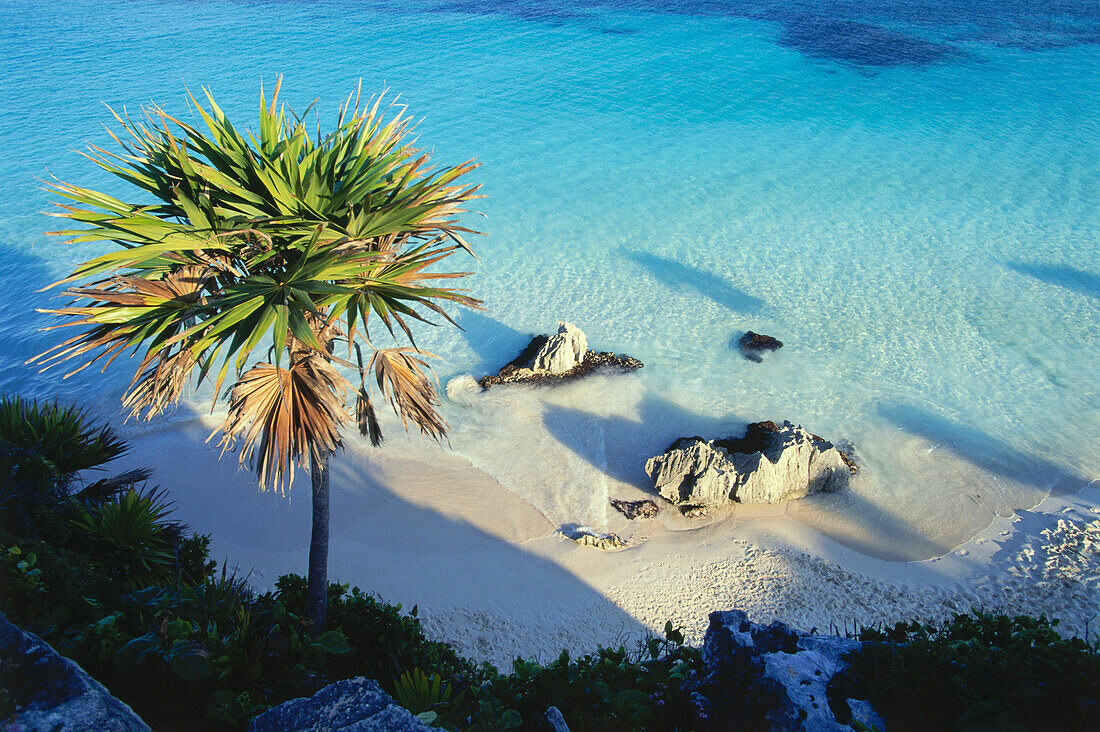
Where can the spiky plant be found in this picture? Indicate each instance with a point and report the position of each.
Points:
(46, 452)
(261, 258)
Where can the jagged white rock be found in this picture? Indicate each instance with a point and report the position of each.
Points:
(562, 351)
(793, 463)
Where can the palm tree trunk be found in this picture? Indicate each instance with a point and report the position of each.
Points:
(318, 547)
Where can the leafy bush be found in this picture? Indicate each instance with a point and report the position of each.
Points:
(44, 448)
(611, 689)
(979, 671)
(131, 537)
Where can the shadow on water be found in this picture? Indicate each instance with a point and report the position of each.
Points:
(983, 451)
(675, 275)
(21, 278)
(619, 446)
(494, 342)
(1069, 278)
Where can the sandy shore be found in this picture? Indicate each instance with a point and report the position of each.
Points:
(416, 524)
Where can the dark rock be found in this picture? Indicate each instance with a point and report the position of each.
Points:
(352, 705)
(752, 345)
(693, 511)
(52, 692)
(520, 370)
(635, 509)
(757, 438)
(770, 677)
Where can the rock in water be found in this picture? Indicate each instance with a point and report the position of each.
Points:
(769, 464)
(562, 351)
(52, 693)
(556, 358)
(351, 705)
(752, 345)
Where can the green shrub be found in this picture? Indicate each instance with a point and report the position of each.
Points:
(979, 671)
(44, 450)
(611, 689)
(131, 537)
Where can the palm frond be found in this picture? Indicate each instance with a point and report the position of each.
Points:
(401, 377)
(285, 416)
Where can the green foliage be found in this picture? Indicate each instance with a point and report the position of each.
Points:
(44, 448)
(130, 536)
(611, 689)
(419, 693)
(979, 671)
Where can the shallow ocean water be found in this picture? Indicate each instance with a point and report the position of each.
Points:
(906, 193)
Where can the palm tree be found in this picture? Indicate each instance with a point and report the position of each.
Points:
(283, 244)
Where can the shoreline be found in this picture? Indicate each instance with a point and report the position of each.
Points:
(490, 575)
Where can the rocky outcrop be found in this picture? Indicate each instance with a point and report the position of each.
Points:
(635, 509)
(588, 537)
(773, 677)
(769, 464)
(558, 357)
(562, 351)
(52, 693)
(751, 345)
(352, 705)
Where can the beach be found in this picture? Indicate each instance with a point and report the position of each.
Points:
(416, 524)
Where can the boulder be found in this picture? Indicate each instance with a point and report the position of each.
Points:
(773, 677)
(751, 345)
(769, 464)
(53, 693)
(562, 351)
(587, 537)
(553, 358)
(635, 509)
(351, 705)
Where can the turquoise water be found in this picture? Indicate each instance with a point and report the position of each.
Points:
(906, 194)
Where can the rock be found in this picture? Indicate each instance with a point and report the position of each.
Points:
(562, 351)
(588, 537)
(769, 464)
(752, 345)
(635, 509)
(53, 693)
(545, 357)
(773, 677)
(555, 719)
(351, 705)
(693, 511)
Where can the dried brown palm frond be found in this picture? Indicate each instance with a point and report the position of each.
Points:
(401, 377)
(284, 415)
(160, 384)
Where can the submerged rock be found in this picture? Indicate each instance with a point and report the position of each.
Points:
(769, 464)
(635, 509)
(51, 692)
(557, 357)
(357, 704)
(752, 345)
(588, 537)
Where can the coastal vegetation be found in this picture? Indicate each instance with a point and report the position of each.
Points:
(263, 257)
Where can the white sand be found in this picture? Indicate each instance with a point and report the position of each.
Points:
(416, 524)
